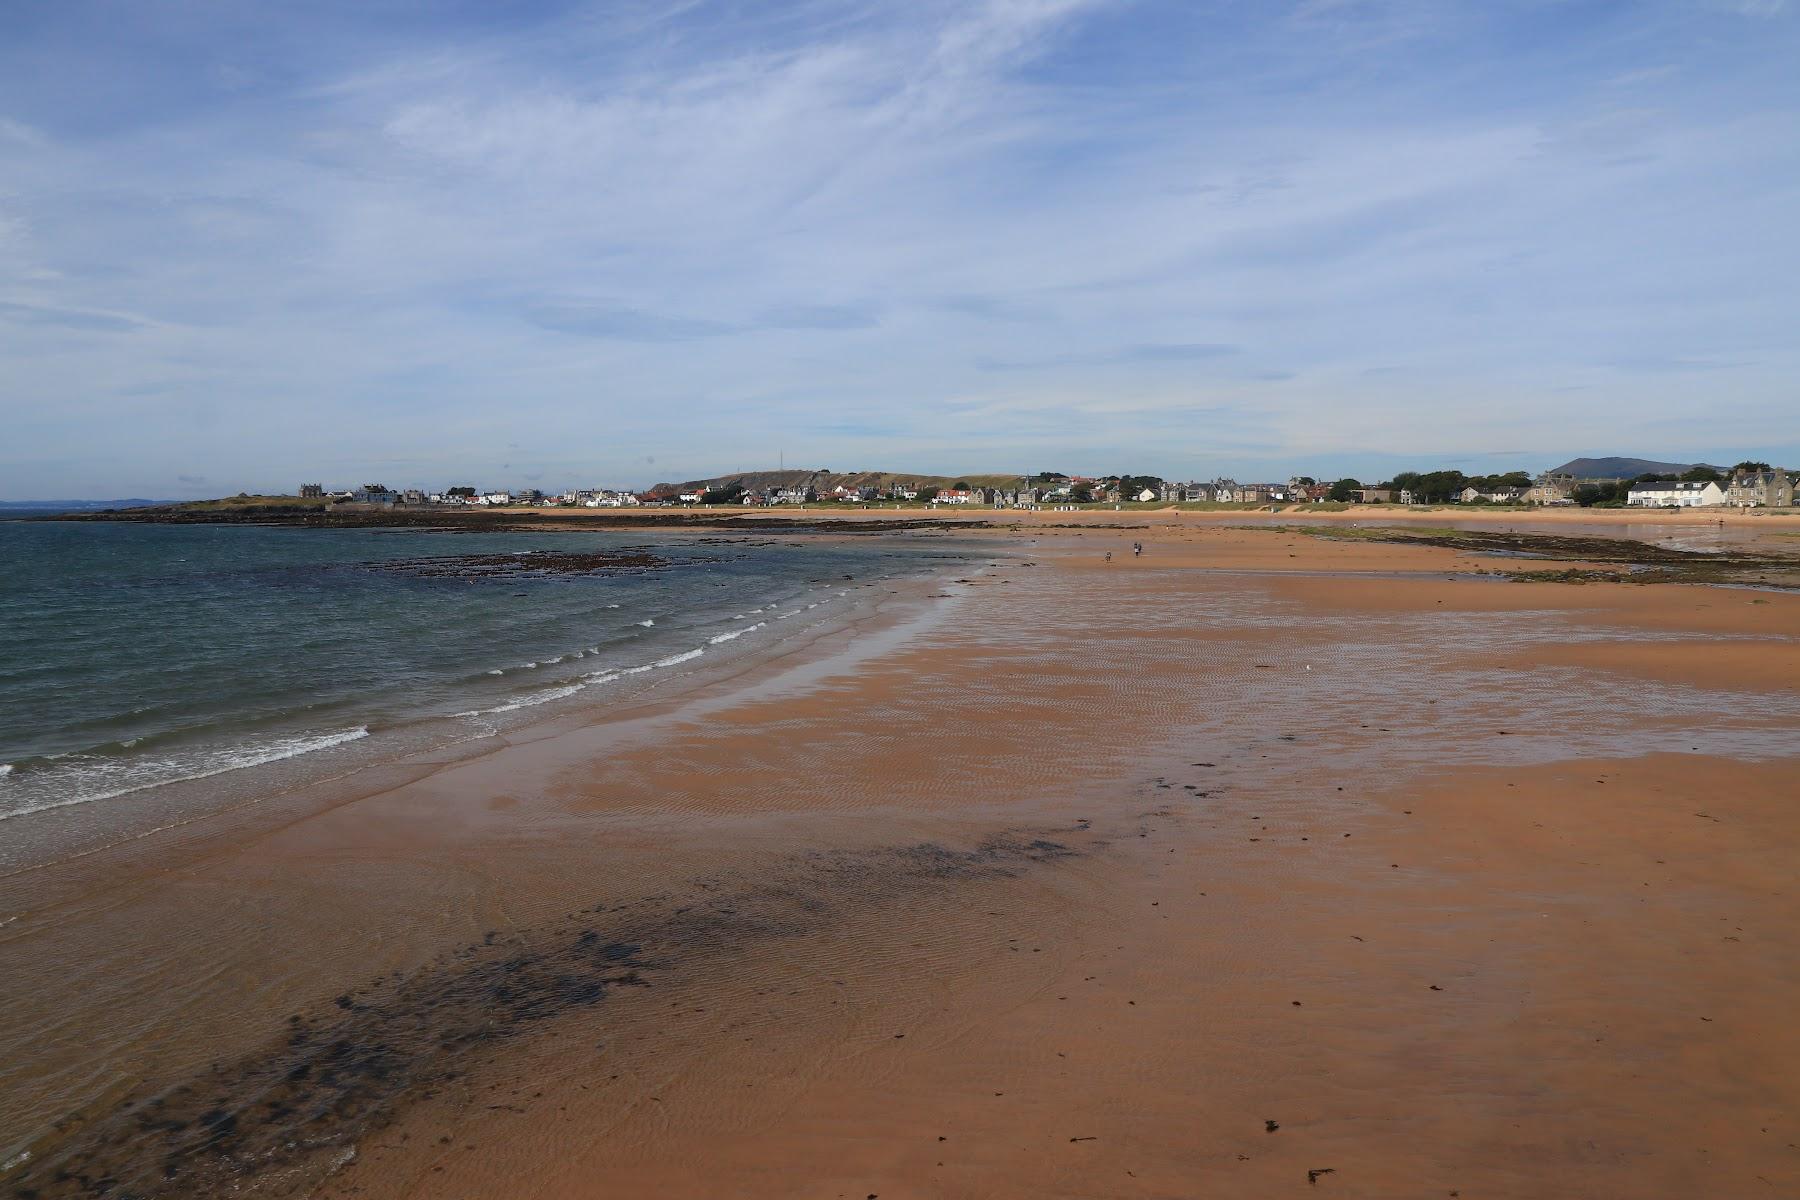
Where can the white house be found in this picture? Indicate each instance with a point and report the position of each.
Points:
(1674, 493)
(1498, 496)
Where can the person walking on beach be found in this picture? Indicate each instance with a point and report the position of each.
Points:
(1109, 556)
(1137, 549)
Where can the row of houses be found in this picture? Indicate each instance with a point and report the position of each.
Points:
(1230, 491)
(471, 497)
(1745, 489)
(893, 493)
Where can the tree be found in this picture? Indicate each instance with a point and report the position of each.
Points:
(1701, 475)
(1500, 483)
(1082, 493)
(731, 493)
(1751, 468)
(1306, 481)
(928, 494)
(1442, 486)
(962, 485)
(1131, 485)
(1345, 490)
(1602, 495)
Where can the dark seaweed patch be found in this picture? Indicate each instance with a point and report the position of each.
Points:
(1644, 562)
(279, 1119)
(524, 564)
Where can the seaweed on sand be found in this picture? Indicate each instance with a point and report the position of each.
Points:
(277, 1120)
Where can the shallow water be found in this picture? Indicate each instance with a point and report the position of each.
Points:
(138, 656)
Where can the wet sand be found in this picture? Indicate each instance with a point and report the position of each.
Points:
(1071, 879)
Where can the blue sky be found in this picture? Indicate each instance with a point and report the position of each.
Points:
(245, 245)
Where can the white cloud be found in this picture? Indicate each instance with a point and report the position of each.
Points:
(1754, 8)
(676, 233)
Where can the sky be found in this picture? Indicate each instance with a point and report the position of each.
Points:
(535, 243)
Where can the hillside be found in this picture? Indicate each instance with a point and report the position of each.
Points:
(824, 481)
(1619, 468)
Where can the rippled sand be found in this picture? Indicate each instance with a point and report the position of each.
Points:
(1258, 865)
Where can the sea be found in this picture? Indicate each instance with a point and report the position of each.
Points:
(138, 659)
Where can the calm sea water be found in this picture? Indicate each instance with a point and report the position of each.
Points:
(134, 657)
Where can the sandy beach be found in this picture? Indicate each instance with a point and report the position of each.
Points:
(1259, 864)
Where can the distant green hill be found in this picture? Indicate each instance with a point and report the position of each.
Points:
(1620, 468)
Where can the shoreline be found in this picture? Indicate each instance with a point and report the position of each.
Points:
(872, 985)
(221, 763)
(822, 646)
(875, 518)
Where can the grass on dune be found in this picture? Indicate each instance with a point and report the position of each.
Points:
(227, 503)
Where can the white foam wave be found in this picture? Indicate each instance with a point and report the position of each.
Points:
(673, 659)
(646, 623)
(121, 777)
(532, 700)
(735, 633)
(496, 671)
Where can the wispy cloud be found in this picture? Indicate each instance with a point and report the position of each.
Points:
(818, 317)
(1663, 363)
(601, 320)
(1173, 352)
(916, 233)
(84, 320)
(1754, 8)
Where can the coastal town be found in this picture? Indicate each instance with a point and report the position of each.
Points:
(1746, 485)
